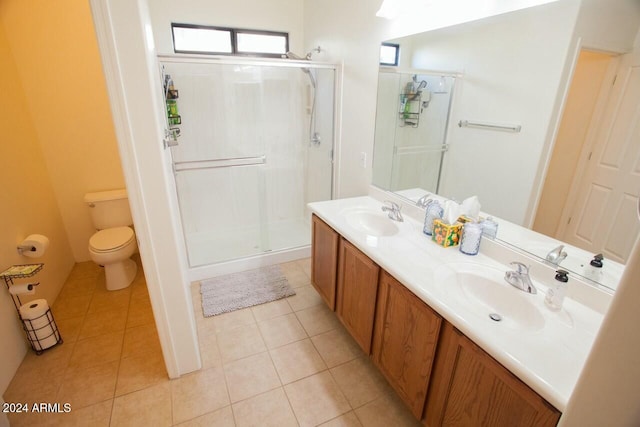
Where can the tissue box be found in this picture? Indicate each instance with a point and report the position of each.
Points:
(446, 234)
(463, 219)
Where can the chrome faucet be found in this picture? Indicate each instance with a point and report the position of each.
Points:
(519, 278)
(557, 255)
(394, 211)
(424, 201)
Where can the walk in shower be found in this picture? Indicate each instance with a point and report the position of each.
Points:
(255, 146)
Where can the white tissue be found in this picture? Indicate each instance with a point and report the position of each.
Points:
(23, 289)
(471, 207)
(38, 324)
(34, 246)
(452, 211)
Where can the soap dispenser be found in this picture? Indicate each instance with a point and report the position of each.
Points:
(593, 271)
(557, 290)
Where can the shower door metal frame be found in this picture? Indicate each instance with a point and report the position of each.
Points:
(198, 272)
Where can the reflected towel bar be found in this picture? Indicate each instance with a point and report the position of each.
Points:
(417, 149)
(491, 126)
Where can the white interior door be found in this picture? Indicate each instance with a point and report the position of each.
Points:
(605, 215)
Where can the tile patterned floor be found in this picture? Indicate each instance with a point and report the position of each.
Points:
(284, 363)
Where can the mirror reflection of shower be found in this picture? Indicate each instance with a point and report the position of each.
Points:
(314, 136)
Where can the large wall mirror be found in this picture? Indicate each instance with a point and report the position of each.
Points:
(508, 74)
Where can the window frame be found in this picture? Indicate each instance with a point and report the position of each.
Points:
(233, 33)
(397, 58)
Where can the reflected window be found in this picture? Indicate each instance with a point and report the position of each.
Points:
(389, 54)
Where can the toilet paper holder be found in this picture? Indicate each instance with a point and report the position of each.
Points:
(33, 246)
(26, 248)
(33, 330)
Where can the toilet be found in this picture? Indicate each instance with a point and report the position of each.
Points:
(115, 241)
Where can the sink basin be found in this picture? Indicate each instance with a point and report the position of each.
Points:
(483, 290)
(371, 223)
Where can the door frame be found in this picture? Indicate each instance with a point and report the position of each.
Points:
(125, 41)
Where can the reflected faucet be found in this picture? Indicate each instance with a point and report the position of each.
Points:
(520, 279)
(424, 201)
(394, 211)
(557, 255)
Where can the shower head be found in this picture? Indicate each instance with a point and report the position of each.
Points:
(307, 57)
(291, 55)
(310, 53)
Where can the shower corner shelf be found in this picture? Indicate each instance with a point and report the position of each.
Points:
(410, 109)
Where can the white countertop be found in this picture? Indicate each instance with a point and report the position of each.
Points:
(537, 244)
(549, 360)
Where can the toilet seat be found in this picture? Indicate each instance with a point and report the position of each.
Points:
(111, 239)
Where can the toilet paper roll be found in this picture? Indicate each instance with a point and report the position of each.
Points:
(34, 245)
(39, 324)
(23, 289)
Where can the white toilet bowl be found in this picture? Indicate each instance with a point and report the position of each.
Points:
(112, 248)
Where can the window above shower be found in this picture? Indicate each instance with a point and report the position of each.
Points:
(201, 39)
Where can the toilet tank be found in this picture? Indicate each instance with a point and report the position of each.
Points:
(109, 209)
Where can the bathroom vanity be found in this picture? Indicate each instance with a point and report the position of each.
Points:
(421, 312)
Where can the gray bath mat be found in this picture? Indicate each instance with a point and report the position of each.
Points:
(245, 289)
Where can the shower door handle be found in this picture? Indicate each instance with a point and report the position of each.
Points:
(219, 163)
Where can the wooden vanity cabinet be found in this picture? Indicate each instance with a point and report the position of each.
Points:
(470, 388)
(356, 293)
(405, 340)
(444, 378)
(324, 260)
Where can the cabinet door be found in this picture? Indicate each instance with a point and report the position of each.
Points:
(357, 291)
(470, 388)
(324, 260)
(405, 341)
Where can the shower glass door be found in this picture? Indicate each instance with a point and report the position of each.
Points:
(245, 166)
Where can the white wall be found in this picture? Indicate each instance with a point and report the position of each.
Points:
(350, 33)
(385, 130)
(272, 15)
(56, 55)
(29, 206)
(609, 25)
